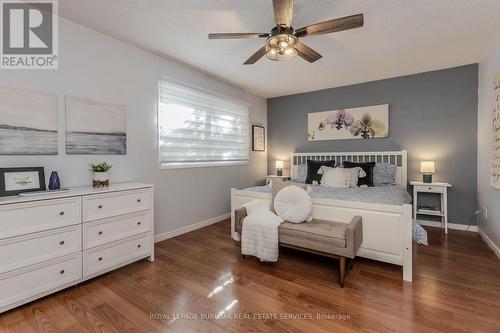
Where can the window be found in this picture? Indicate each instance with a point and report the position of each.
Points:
(198, 128)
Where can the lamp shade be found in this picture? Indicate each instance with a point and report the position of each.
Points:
(427, 167)
(279, 165)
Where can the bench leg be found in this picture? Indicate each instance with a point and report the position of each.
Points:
(341, 271)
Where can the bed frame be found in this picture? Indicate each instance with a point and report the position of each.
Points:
(387, 229)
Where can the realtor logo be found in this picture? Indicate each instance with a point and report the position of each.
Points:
(29, 34)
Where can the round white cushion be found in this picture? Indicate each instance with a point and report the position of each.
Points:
(293, 204)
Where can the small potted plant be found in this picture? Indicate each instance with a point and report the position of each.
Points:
(100, 176)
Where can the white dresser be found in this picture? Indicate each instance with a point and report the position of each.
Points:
(50, 242)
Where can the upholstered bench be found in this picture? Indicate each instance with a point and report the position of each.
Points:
(326, 238)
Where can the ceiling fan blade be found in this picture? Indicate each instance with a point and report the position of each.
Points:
(306, 52)
(339, 24)
(256, 56)
(229, 35)
(283, 11)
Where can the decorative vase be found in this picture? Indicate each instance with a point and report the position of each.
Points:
(100, 179)
(54, 181)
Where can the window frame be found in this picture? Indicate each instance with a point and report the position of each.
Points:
(192, 165)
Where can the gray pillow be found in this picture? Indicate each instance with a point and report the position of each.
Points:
(384, 174)
(301, 173)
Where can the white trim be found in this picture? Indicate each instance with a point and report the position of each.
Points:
(455, 226)
(490, 243)
(189, 228)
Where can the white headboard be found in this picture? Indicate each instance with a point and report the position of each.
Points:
(397, 158)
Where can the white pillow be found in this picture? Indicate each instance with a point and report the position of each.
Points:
(352, 175)
(334, 177)
(293, 204)
(324, 169)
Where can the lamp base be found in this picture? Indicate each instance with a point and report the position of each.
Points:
(427, 179)
(279, 172)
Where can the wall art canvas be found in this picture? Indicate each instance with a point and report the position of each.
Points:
(95, 128)
(367, 122)
(495, 158)
(28, 122)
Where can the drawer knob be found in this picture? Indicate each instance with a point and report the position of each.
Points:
(61, 242)
(139, 223)
(100, 206)
(138, 246)
(61, 213)
(430, 188)
(138, 200)
(100, 258)
(61, 271)
(99, 233)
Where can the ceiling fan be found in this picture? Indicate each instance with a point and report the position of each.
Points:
(283, 41)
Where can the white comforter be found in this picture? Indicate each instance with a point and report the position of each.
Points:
(259, 234)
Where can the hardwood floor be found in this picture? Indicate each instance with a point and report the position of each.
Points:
(456, 288)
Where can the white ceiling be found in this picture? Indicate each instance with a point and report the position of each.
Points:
(400, 37)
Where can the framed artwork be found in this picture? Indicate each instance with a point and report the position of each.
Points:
(495, 155)
(95, 128)
(258, 138)
(369, 122)
(19, 180)
(28, 122)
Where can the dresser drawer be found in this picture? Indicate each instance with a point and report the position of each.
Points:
(34, 248)
(21, 219)
(430, 189)
(113, 255)
(25, 283)
(105, 231)
(101, 206)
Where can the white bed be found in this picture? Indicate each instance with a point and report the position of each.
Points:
(387, 229)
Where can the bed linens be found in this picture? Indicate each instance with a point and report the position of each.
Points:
(385, 194)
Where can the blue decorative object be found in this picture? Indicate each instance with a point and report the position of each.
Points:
(54, 182)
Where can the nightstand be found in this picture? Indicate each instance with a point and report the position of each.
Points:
(275, 178)
(442, 190)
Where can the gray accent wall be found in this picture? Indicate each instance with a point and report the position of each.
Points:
(433, 115)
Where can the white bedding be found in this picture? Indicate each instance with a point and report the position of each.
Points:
(384, 194)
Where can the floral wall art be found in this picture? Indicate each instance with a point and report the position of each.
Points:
(355, 123)
(495, 160)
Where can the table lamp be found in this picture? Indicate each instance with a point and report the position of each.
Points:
(279, 168)
(427, 168)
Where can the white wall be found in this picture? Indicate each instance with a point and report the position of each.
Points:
(488, 196)
(94, 66)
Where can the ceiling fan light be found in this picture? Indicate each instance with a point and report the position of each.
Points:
(280, 47)
(281, 54)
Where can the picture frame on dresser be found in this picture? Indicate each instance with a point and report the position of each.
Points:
(14, 181)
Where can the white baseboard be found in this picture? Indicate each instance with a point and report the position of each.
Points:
(490, 243)
(454, 226)
(192, 227)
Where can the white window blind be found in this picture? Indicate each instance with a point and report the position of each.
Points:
(198, 128)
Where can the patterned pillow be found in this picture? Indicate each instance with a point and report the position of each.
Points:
(352, 176)
(383, 174)
(301, 173)
(367, 168)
